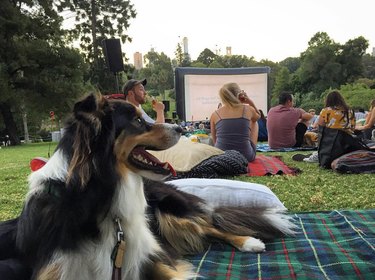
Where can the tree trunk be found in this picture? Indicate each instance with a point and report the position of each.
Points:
(25, 127)
(10, 124)
(93, 32)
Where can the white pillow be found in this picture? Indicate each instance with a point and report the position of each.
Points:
(223, 192)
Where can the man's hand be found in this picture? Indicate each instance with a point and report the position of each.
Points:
(157, 106)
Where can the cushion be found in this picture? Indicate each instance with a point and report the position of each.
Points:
(361, 161)
(186, 154)
(223, 192)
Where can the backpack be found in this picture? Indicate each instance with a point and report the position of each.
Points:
(334, 143)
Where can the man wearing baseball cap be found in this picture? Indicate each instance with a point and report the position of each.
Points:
(135, 93)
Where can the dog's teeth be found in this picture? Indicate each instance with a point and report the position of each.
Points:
(166, 166)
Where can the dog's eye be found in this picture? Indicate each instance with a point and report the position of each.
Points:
(139, 120)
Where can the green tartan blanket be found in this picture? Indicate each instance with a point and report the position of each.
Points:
(330, 245)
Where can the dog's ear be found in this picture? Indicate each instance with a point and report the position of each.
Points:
(87, 105)
(88, 113)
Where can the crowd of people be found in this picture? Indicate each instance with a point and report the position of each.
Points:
(237, 123)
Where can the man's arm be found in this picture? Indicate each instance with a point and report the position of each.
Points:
(158, 107)
(306, 116)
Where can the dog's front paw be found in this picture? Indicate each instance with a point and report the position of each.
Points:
(253, 245)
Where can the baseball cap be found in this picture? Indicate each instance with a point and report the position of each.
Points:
(131, 83)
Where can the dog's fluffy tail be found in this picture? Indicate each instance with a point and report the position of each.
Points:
(265, 223)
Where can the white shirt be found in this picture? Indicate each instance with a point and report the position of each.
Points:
(146, 117)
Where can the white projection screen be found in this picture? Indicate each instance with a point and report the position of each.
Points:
(197, 89)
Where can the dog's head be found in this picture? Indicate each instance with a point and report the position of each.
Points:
(111, 134)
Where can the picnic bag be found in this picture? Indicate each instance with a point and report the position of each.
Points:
(357, 162)
(334, 143)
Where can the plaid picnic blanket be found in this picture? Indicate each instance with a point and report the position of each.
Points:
(269, 165)
(330, 245)
(264, 147)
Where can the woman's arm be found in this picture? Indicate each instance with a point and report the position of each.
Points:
(254, 116)
(246, 100)
(321, 118)
(370, 121)
(213, 128)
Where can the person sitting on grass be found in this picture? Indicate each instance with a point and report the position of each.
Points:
(262, 124)
(369, 125)
(234, 125)
(337, 115)
(286, 125)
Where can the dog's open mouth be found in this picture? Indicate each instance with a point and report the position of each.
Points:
(141, 159)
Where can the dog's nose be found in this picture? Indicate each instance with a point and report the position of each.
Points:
(178, 129)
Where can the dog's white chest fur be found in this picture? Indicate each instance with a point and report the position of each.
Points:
(130, 209)
(129, 206)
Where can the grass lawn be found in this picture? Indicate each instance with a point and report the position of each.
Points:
(314, 189)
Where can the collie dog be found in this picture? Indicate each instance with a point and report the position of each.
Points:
(98, 208)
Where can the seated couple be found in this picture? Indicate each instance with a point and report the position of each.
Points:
(234, 125)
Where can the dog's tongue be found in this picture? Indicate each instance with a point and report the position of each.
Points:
(144, 154)
(171, 169)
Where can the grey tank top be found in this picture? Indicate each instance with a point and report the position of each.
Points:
(233, 134)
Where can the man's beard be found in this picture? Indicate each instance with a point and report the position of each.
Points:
(140, 100)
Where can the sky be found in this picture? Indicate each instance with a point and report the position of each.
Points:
(264, 29)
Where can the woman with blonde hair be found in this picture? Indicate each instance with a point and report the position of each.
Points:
(369, 124)
(234, 125)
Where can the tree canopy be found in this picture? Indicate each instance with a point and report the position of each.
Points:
(39, 72)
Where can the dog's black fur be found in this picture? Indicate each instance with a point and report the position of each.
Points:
(66, 228)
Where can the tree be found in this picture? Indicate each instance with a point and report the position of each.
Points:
(326, 64)
(206, 57)
(350, 58)
(319, 67)
(358, 95)
(97, 20)
(292, 63)
(235, 61)
(179, 55)
(159, 73)
(38, 72)
(369, 66)
(282, 83)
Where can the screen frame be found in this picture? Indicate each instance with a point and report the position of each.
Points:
(181, 72)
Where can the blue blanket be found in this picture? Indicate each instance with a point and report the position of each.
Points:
(264, 147)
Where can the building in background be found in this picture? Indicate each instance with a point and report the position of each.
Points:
(138, 61)
(373, 51)
(185, 43)
(229, 51)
